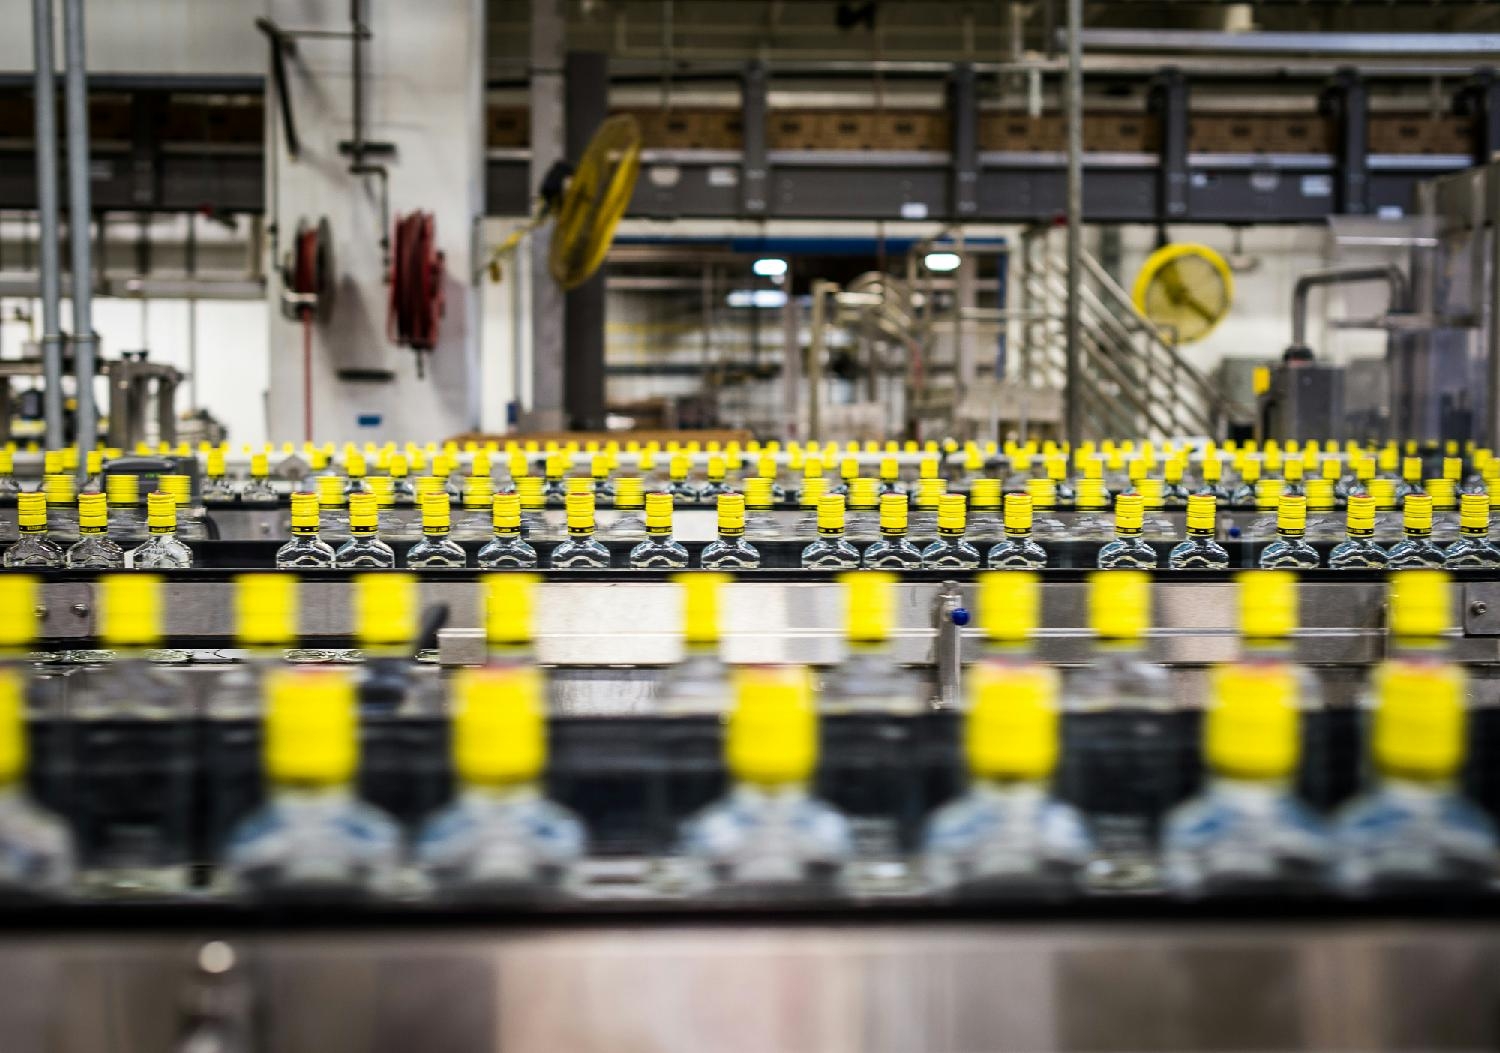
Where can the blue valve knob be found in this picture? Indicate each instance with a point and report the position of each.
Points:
(960, 617)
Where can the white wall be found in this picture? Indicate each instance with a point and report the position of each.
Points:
(209, 37)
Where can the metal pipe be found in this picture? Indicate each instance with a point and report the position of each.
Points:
(80, 226)
(1073, 419)
(46, 200)
(1390, 274)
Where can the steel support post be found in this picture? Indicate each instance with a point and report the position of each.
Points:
(755, 167)
(80, 224)
(46, 198)
(1073, 417)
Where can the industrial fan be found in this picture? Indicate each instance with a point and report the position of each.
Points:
(1185, 290)
(585, 202)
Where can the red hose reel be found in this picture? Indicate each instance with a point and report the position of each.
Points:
(416, 295)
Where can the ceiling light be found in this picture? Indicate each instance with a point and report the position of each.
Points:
(756, 298)
(942, 262)
(769, 267)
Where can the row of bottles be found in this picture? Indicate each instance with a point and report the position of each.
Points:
(1068, 781)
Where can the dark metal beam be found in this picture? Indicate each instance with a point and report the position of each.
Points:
(754, 165)
(1169, 102)
(1479, 100)
(963, 116)
(1347, 101)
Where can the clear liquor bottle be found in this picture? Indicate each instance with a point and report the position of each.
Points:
(313, 836)
(475, 519)
(831, 551)
(922, 513)
(1417, 551)
(1290, 550)
(951, 550)
(333, 507)
(356, 473)
(191, 525)
(862, 519)
(62, 519)
(893, 551)
(402, 488)
(1359, 550)
(217, 486)
(1128, 550)
(501, 835)
(806, 525)
(1267, 499)
(1057, 473)
(536, 524)
(1411, 478)
(986, 521)
(1093, 522)
(599, 469)
(630, 504)
(1046, 527)
(555, 485)
(716, 482)
(1199, 551)
(436, 548)
(1324, 523)
(94, 550)
(1212, 470)
(305, 548)
(33, 548)
(581, 549)
(731, 551)
(761, 523)
(1250, 474)
(258, 489)
(1019, 550)
(890, 476)
(1174, 491)
(163, 550)
(679, 485)
(1473, 550)
(8, 485)
(1156, 525)
(37, 855)
(506, 550)
(1389, 518)
(1444, 510)
(658, 551)
(364, 550)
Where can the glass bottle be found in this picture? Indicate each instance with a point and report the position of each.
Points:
(679, 485)
(402, 488)
(500, 834)
(364, 549)
(1018, 551)
(1174, 492)
(716, 483)
(62, 519)
(1473, 549)
(731, 551)
(769, 830)
(581, 549)
(922, 513)
(506, 550)
(806, 526)
(890, 476)
(475, 518)
(1128, 550)
(217, 485)
(1093, 522)
(1057, 472)
(658, 551)
(305, 548)
(37, 856)
(356, 473)
(1267, 499)
(1212, 470)
(8, 485)
(761, 522)
(1199, 551)
(1046, 527)
(33, 548)
(1119, 750)
(1411, 478)
(630, 504)
(848, 472)
(862, 520)
(94, 550)
(951, 550)
(1250, 474)
(313, 836)
(599, 469)
(258, 489)
(893, 551)
(445, 471)
(190, 516)
(1359, 551)
(436, 548)
(831, 551)
(1413, 827)
(1324, 523)
(1444, 510)
(1290, 550)
(1156, 525)
(986, 522)
(536, 525)
(162, 550)
(555, 487)
(333, 507)
(1417, 550)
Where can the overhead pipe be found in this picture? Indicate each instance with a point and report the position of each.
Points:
(1391, 275)
(46, 201)
(80, 225)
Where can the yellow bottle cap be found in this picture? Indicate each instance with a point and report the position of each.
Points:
(12, 726)
(60, 489)
(658, 511)
(1152, 492)
(715, 470)
(1200, 512)
(311, 727)
(812, 466)
(1360, 514)
(1291, 513)
(364, 512)
(1057, 468)
(53, 463)
(1010, 603)
(929, 493)
(869, 604)
(630, 491)
(93, 511)
(437, 511)
(556, 464)
(1043, 493)
(385, 609)
(1213, 468)
(1172, 470)
(890, 469)
(1018, 514)
(1420, 721)
(864, 492)
(1320, 494)
(180, 487)
(214, 463)
(1417, 512)
(1252, 725)
(1421, 603)
(1268, 604)
(985, 493)
(505, 512)
(1411, 469)
(265, 607)
(509, 605)
(1091, 493)
(1443, 493)
(700, 605)
(1011, 728)
(1474, 512)
(31, 510)
(161, 511)
(599, 466)
(383, 487)
(772, 733)
(529, 488)
(1120, 604)
(678, 467)
(19, 596)
(580, 511)
(330, 491)
(812, 491)
(131, 610)
(354, 465)
(1268, 493)
(479, 491)
(758, 493)
(831, 512)
(731, 509)
(1330, 469)
(893, 513)
(973, 459)
(766, 467)
(499, 726)
(305, 510)
(7, 461)
(927, 468)
(400, 467)
(1129, 511)
(1093, 467)
(952, 512)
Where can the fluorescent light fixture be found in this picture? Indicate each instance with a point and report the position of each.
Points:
(757, 298)
(941, 262)
(769, 267)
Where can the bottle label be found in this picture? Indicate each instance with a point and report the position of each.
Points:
(893, 535)
(831, 531)
(731, 532)
(574, 531)
(1199, 532)
(1475, 531)
(655, 531)
(1127, 533)
(34, 529)
(361, 531)
(436, 531)
(304, 531)
(1413, 532)
(951, 532)
(1361, 531)
(1017, 533)
(1295, 534)
(508, 533)
(163, 530)
(90, 531)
